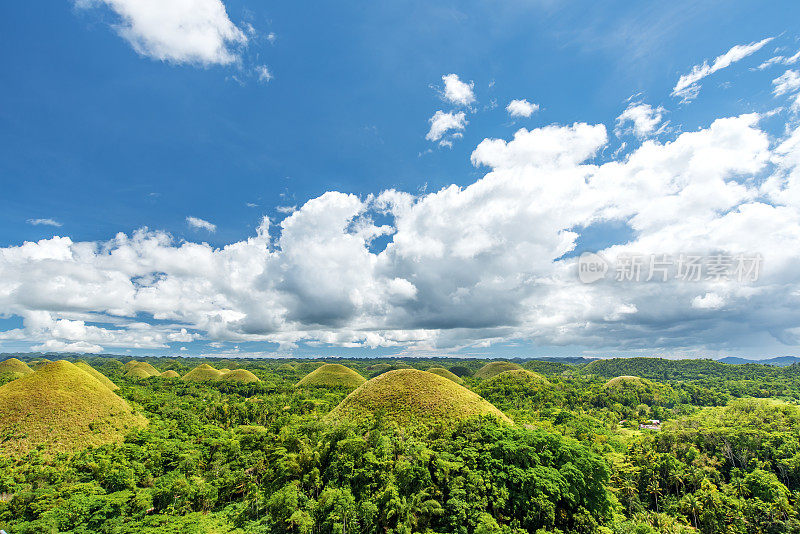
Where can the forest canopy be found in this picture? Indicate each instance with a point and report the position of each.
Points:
(609, 446)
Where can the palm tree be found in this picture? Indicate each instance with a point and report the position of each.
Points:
(411, 512)
(690, 503)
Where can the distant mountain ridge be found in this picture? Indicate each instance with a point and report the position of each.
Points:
(780, 361)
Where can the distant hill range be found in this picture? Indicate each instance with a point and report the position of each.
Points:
(780, 361)
(661, 369)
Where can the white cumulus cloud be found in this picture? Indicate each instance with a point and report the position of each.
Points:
(442, 123)
(521, 108)
(456, 91)
(639, 119)
(179, 31)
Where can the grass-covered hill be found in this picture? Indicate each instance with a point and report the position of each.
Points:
(138, 373)
(441, 371)
(142, 370)
(14, 368)
(332, 375)
(633, 391)
(548, 367)
(97, 374)
(521, 376)
(379, 367)
(170, 374)
(409, 396)
(626, 382)
(202, 373)
(495, 368)
(61, 408)
(517, 389)
(37, 363)
(240, 375)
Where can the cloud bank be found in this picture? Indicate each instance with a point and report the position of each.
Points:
(465, 266)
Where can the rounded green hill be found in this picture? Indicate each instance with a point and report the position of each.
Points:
(379, 367)
(409, 396)
(14, 367)
(626, 381)
(142, 370)
(202, 373)
(37, 364)
(240, 375)
(97, 374)
(515, 388)
(307, 367)
(495, 368)
(522, 375)
(332, 375)
(170, 374)
(61, 408)
(441, 371)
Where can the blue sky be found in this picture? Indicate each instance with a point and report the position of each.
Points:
(100, 136)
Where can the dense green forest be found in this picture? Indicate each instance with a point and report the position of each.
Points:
(264, 455)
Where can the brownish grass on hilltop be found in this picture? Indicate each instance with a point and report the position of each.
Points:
(14, 367)
(409, 396)
(332, 375)
(240, 375)
(98, 375)
(202, 373)
(441, 371)
(495, 368)
(61, 408)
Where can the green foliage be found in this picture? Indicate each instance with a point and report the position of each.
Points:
(417, 454)
(461, 371)
(519, 389)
